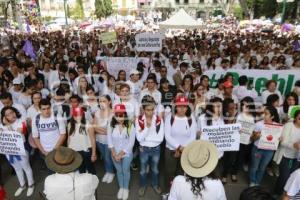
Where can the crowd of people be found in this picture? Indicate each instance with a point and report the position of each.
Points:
(61, 94)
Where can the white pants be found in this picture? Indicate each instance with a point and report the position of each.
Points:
(19, 166)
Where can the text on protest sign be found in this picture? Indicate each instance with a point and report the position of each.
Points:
(258, 78)
(269, 138)
(149, 42)
(115, 64)
(225, 137)
(246, 131)
(108, 37)
(11, 143)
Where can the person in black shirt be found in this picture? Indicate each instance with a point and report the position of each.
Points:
(32, 74)
(168, 92)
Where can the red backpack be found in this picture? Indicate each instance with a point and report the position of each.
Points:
(142, 123)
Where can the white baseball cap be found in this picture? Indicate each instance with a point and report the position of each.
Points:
(17, 81)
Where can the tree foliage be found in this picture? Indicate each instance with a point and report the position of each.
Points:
(103, 8)
(76, 12)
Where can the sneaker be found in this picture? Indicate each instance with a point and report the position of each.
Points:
(110, 178)
(252, 185)
(19, 191)
(125, 194)
(157, 189)
(120, 193)
(134, 166)
(142, 191)
(30, 191)
(245, 167)
(105, 177)
(224, 180)
(276, 172)
(270, 172)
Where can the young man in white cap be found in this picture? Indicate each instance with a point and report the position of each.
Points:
(16, 89)
(67, 183)
(134, 83)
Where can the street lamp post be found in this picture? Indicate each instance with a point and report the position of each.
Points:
(284, 8)
(66, 12)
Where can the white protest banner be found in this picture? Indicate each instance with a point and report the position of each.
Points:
(151, 42)
(258, 78)
(115, 64)
(246, 131)
(225, 137)
(11, 143)
(108, 37)
(269, 138)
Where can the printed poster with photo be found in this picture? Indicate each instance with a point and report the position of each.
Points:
(269, 139)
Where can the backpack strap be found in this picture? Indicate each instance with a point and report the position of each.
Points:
(141, 122)
(37, 121)
(172, 120)
(190, 121)
(158, 123)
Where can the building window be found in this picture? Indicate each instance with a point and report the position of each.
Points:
(215, 1)
(177, 1)
(186, 1)
(201, 1)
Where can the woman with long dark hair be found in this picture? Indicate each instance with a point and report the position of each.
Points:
(199, 160)
(81, 138)
(187, 85)
(229, 160)
(121, 137)
(121, 76)
(291, 99)
(11, 120)
(180, 130)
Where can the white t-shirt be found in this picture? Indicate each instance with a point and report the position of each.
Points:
(104, 123)
(292, 186)
(80, 141)
(48, 131)
(32, 112)
(182, 190)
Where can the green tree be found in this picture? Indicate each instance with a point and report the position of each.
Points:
(103, 8)
(77, 12)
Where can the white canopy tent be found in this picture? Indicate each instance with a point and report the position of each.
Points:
(180, 20)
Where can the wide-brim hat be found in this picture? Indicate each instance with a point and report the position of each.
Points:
(199, 158)
(63, 160)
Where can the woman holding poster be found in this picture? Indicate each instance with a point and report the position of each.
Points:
(10, 118)
(260, 158)
(286, 155)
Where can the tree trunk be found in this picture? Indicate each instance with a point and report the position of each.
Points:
(14, 9)
(245, 8)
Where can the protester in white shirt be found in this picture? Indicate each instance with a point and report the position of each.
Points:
(57, 75)
(11, 120)
(67, 183)
(228, 92)
(135, 84)
(6, 100)
(180, 130)
(16, 89)
(242, 90)
(150, 134)
(81, 138)
(48, 130)
(292, 187)
(151, 89)
(271, 86)
(121, 137)
(199, 182)
(101, 122)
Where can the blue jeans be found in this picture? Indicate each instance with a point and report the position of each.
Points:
(150, 156)
(123, 171)
(259, 161)
(105, 151)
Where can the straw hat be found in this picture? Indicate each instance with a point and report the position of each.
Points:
(199, 158)
(63, 160)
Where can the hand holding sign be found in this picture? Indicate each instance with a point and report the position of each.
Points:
(270, 137)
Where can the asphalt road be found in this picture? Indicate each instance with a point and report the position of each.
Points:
(109, 191)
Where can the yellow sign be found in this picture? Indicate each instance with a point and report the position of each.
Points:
(108, 37)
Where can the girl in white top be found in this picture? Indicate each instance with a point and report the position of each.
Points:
(271, 86)
(291, 99)
(25, 97)
(81, 138)
(10, 118)
(120, 139)
(212, 116)
(289, 149)
(180, 130)
(101, 122)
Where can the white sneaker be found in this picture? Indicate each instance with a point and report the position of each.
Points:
(125, 194)
(19, 191)
(270, 172)
(30, 191)
(246, 168)
(252, 185)
(110, 178)
(120, 193)
(105, 177)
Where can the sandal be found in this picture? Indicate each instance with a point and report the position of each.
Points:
(234, 178)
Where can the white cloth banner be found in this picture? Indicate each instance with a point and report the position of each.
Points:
(225, 137)
(258, 78)
(115, 64)
(11, 143)
(246, 131)
(269, 138)
(151, 42)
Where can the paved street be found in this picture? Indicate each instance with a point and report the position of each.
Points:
(108, 191)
